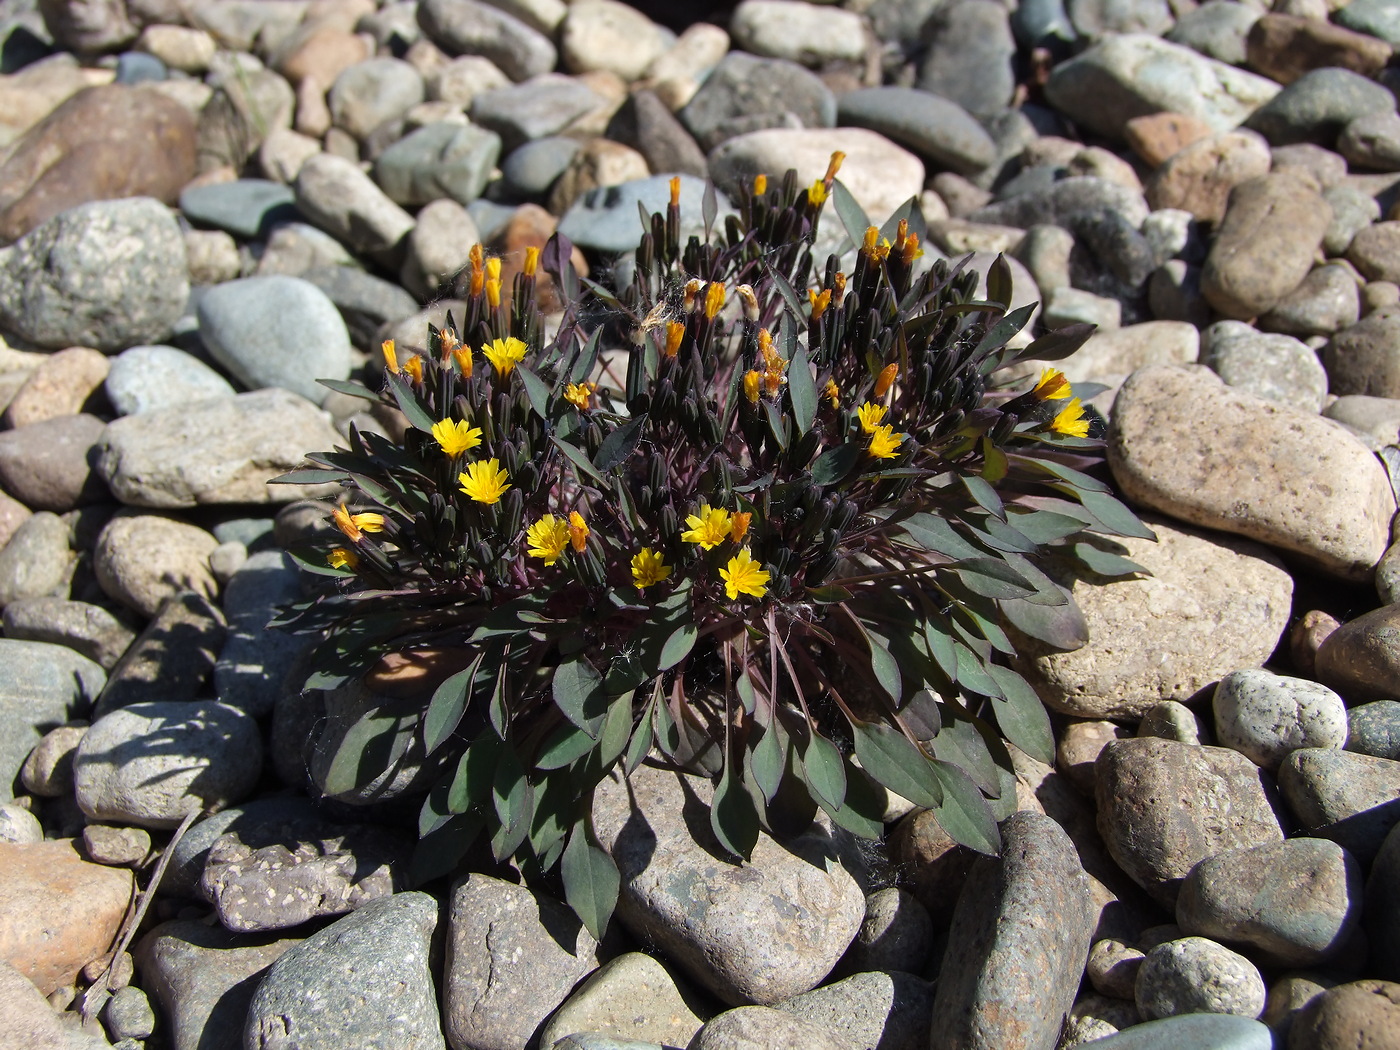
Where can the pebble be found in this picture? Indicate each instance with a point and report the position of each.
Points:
(970, 56)
(246, 208)
(1285, 47)
(83, 627)
(599, 162)
(630, 998)
(255, 818)
(1165, 806)
(296, 247)
(213, 256)
(512, 957)
(342, 200)
(758, 933)
(746, 93)
(116, 846)
(57, 911)
(247, 103)
(897, 934)
(466, 27)
(646, 124)
(37, 562)
(43, 686)
(1217, 29)
(1217, 1031)
(1326, 302)
(107, 275)
(1362, 1013)
(1194, 975)
(142, 559)
(1374, 729)
(1361, 360)
(49, 465)
(1068, 202)
(1113, 967)
(936, 867)
(179, 47)
(1199, 177)
(128, 1014)
(889, 1009)
(1372, 141)
(1018, 942)
(64, 384)
(363, 980)
(1066, 306)
(48, 771)
(438, 247)
(799, 32)
(365, 303)
(152, 763)
(1164, 636)
(544, 105)
(18, 826)
(1334, 511)
(1171, 720)
(436, 161)
(1110, 357)
(1265, 716)
(605, 218)
(752, 1027)
(1378, 18)
(935, 127)
(145, 378)
(170, 660)
(1317, 106)
(1375, 251)
(1360, 658)
(607, 35)
(371, 93)
(1294, 903)
(1352, 799)
(460, 80)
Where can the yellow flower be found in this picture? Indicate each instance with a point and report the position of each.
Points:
(414, 367)
(648, 568)
(493, 282)
(714, 299)
(911, 250)
(816, 193)
(744, 576)
(355, 525)
(532, 261)
(833, 393)
(739, 526)
(343, 558)
(760, 185)
(485, 481)
(1053, 386)
(834, 164)
(1071, 421)
(884, 442)
(885, 378)
(463, 356)
(580, 395)
(504, 354)
(875, 252)
(749, 299)
(751, 381)
(478, 270)
(870, 416)
(675, 191)
(391, 359)
(578, 531)
(456, 436)
(709, 528)
(675, 332)
(820, 301)
(546, 538)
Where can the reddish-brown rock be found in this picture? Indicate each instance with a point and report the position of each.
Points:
(62, 386)
(530, 227)
(1157, 136)
(102, 144)
(1360, 1014)
(1284, 47)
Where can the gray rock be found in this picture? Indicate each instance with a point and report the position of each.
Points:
(969, 57)
(541, 107)
(1326, 302)
(275, 332)
(1351, 799)
(1264, 716)
(50, 465)
(41, 686)
(646, 124)
(366, 303)
(605, 219)
(763, 932)
(203, 977)
(889, 1010)
(48, 771)
(1372, 141)
(1070, 203)
(83, 627)
(1382, 909)
(37, 562)
(1294, 903)
(252, 818)
(438, 160)
(1164, 806)
(1217, 29)
(1019, 940)
(108, 275)
(116, 847)
(275, 876)
(438, 247)
(254, 660)
(223, 450)
(936, 128)
(1035, 22)
(531, 168)
(142, 559)
(1217, 1031)
(1171, 720)
(806, 33)
(246, 208)
(1363, 359)
(752, 1027)
(151, 764)
(1378, 18)
(605, 36)
(361, 981)
(632, 999)
(512, 957)
(747, 93)
(296, 247)
(1375, 417)
(18, 825)
(1352, 211)
(897, 934)
(1194, 975)
(128, 1014)
(373, 92)
(1374, 729)
(1360, 658)
(1107, 85)
(465, 27)
(1112, 967)
(342, 200)
(171, 658)
(248, 103)
(1318, 105)
(1275, 367)
(1098, 18)
(150, 377)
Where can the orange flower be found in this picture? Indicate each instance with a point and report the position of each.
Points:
(886, 378)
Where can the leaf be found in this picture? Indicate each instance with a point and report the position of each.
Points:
(441, 850)
(471, 783)
(677, 646)
(889, 757)
(1061, 627)
(565, 745)
(409, 404)
(732, 817)
(999, 281)
(767, 761)
(834, 464)
(824, 770)
(1057, 345)
(802, 390)
(448, 704)
(309, 476)
(1115, 515)
(537, 391)
(932, 533)
(578, 459)
(578, 693)
(777, 422)
(709, 206)
(992, 578)
(853, 216)
(1044, 526)
(983, 494)
(617, 729)
(972, 672)
(994, 462)
(831, 594)
(641, 743)
(885, 667)
(963, 813)
(1021, 716)
(343, 386)
(618, 445)
(959, 742)
(863, 810)
(368, 751)
(513, 796)
(591, 881)
(1105, 563)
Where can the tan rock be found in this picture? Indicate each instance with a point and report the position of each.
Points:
(1212, 604)
(1361, 658)
(606, 34)
(1157, 136)
(1110, 357)
(1199, 177)
(1365, 358)
(322, 56)
(61, 386)
(26, 1018)
(30, 95)
(57, 911)
(179, 47)
(599, 162)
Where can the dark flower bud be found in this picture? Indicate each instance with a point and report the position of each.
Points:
(512, 508)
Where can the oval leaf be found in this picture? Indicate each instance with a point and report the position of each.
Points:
(892, 760)
(591, 881)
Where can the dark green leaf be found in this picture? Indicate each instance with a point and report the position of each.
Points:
(959, 743)
(618, 445)
(999, 281)
(932, 533)
(1115, 515)
(964, 813)
(677, 646)
(1045, 526)
(802, 389)
(834, 464)
(830, 594)
(983, 494)
(441, 850)
(309, 476)
(777, 422)
(1057, 345)
(767, 760)
(369, 750)
(852, 215)
(641, 743)
(1105, 563)
(591, 881)
(409, 404)
(1061, 627)
(471, 784)
(825, 771)
(862, 813)
(972, 672)
(563, 746)
(1021, 715)
(448, 704)
(889, 757)
(617, 729)
(579, 693)
(343, 386)
(885, 666)
(732, 817)
(992, 578)
(1077, 479)
(513, 796)
(578, 459)
(536, 391)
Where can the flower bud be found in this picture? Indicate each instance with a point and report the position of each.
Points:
(750, 301)
(886, 378)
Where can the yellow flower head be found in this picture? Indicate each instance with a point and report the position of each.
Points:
(752, 380)
(1071, 421)
(709, 528)
(876, 252)
(833, 393)
(743, 575)
(342, 558)
(739, 525)
(478, 269)
(532, 261)
(456, 436)
(675, 332)
(580, 395)
(714, 299)
(648, 568)
(760, 185)
(1053, 386)
(870, 416)
(675, 191)
(885, 378)
(820, 301)
(884, 442)
(485, 481)
(391, 359)
(547, 538)
(578, 532)
(355, 525)
(772, 360)
(463, 356)
(816, 193)
(834, 164)
(504, 354)
(911, 250)
(414, 367)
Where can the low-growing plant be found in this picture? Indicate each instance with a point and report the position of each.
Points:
(742, 514)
